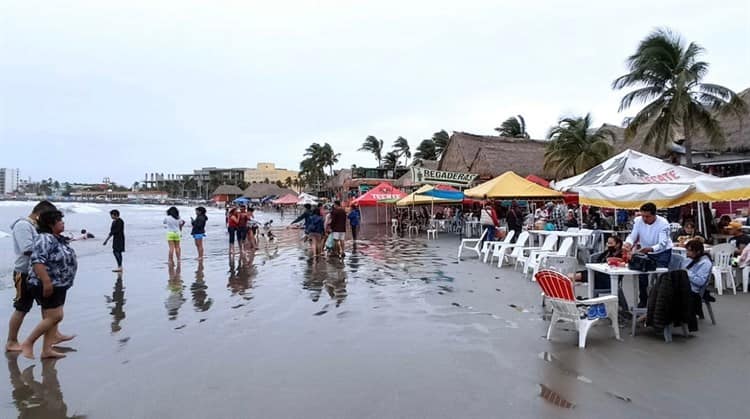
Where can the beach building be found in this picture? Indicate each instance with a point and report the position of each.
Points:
(8, 180)
(269, 171)
(262, 190)
(226, 193)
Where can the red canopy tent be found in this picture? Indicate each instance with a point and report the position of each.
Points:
(288, 199)
(379, 193)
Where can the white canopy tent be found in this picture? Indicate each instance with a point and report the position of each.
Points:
(306, 198)
(630, 179)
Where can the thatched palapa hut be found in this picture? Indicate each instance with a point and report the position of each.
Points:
(226, 193)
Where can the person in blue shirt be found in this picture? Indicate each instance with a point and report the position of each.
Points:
(315, 227)
(354, 219)
(698, 265)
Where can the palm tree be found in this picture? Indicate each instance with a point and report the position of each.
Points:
(440, 139)
(401, 146)
(514, 127)
(575, 147)
(374, 146)
(668, 78)
(328, 158)
(390, 160)
(426, 150)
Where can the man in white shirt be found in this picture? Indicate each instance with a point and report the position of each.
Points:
(652, 233)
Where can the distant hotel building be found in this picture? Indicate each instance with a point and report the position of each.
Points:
(8, 181)
(268, 171)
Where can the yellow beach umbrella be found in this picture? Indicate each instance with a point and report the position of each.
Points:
(508, 186)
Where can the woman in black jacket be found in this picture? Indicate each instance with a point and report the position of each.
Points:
(199, 229)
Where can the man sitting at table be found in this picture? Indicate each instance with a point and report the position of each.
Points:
(686, 233)
(739, 238)
(652, 233)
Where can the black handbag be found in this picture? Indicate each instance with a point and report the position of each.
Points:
(642, 263)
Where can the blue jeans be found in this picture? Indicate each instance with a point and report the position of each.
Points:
(490, 236)
(662, 261)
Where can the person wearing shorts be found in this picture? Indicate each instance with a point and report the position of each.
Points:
(23, 232)
(199, 229)
(338, 227)
(242, 219)
(232, 222)
(174, 224)
(53, 269)
(314, 228)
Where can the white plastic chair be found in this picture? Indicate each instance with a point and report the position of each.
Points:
(722, 254)
(431, 232)
(394, 226)
(471, 244)
(745, 277)
(560, 294)
(533, 259)
(489, 247)
(501, 251)
(548, 246)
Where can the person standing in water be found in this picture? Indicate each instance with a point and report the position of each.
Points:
(354, 219)
(117, 234)
(24, 232)
(174, 224)
(199, 229)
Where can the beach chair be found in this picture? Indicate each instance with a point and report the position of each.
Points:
(534, 258)
(501, 252)
(471, 244)
(722, 254)
(558, 289)
(548, 246)
(745, 277)
(488, 248)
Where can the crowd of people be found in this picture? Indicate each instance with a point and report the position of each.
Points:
(326, 230)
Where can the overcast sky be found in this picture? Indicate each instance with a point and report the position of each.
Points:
(95, 88)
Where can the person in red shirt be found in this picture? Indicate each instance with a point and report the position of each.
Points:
(242, 219)
(232, 223)
(488, 219)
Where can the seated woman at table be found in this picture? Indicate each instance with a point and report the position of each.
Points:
(601, 280)
(721, 226)
(687, 233)
(571, 220)
(698, 265)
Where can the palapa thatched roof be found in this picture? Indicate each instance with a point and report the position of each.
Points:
(261, 190)
(491, 155)
(228, 190)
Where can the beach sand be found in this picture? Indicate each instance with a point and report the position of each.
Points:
(399, 329)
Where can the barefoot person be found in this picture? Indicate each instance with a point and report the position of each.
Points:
(199, 229)
(117, 234)
(24, 232)
(338, 227)
(53, 269)
(174, 224)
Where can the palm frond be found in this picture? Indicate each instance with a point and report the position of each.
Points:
(641, 95)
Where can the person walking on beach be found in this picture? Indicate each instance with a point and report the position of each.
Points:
(489, 221)
(651, 231)
(354, 219)
(515, 220)
(117, 234)
(174, 224)
(315, 227)
(338, 227)
(242, 220)
(24, 231)
(53, 269)
(232, 220)
(252, 229)
(198, 230)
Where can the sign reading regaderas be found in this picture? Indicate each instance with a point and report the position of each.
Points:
(435, 177)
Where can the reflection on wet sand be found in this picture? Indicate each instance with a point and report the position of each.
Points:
(325, 274)
(242, 270)
(201, 302)
(35, 399)
(175, 298)
(118, 298)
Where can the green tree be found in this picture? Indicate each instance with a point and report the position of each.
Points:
(374, 146)
(390, 160)
(667, 75)
(328, 157)
(514, 127)
(426, 150)
(288, 182)
(401, 147)
(440, 139)
(575, 147)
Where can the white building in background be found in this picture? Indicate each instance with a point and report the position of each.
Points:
(8, 180)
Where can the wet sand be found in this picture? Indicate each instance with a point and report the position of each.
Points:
(397, 330)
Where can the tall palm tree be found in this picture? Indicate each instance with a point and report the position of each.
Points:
(575, 147)
(667, 75)
(390, 160)
(401, 146)
(426, 150)
(440, 139)
(328, 158)
(514, 127)
(374, 146)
